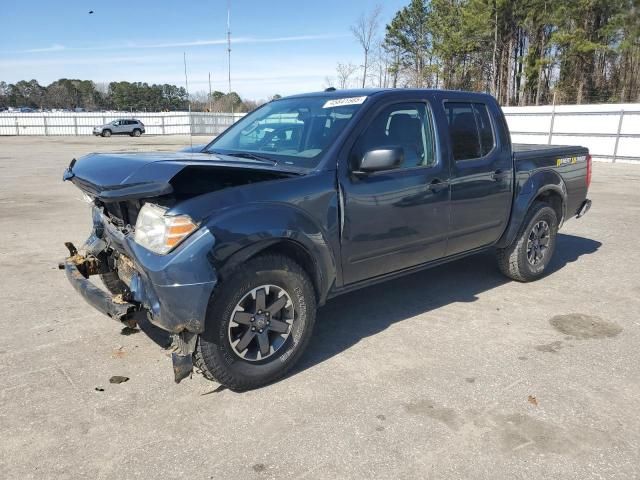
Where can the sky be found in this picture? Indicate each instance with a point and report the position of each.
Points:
(278, 46)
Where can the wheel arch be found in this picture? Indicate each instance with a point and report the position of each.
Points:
(260, 228)
(280, 246)
(555, 199)
(546, 186)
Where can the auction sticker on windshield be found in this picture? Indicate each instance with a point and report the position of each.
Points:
(339, 102)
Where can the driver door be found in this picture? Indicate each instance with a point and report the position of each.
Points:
(399, 218)
(117, 126)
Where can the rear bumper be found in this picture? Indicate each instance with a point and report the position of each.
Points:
(173, 290)
(584, 208)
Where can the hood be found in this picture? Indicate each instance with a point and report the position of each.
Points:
(113, 177)
(194, 148)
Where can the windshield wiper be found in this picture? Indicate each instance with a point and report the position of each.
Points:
(252, 156)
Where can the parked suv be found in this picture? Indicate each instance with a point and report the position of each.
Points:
(135, 128)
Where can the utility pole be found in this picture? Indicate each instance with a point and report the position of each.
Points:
(229, 40)
(210, 99)
(186, 79)
(229, 54)
(186, 82)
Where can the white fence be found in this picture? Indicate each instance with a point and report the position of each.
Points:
(162, 123)
(611, 132)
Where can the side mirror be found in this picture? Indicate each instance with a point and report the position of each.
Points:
(381, 159)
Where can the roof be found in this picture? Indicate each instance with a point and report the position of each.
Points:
(350, 92)
(358, 92)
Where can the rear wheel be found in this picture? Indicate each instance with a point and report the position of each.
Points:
(136, 133)
(527, 258)
(106, 133)
(258, 323)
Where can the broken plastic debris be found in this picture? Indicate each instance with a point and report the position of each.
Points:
(118, 379)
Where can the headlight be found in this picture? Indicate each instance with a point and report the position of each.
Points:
(161, 233)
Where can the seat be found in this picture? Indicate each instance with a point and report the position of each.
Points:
(406, 131)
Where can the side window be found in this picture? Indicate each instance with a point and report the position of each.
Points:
(469, 129)
(406, 125)
(484, 127)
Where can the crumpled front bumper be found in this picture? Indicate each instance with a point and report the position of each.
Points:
(112, 306)
(173, 289)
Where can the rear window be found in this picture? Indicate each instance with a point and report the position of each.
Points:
(470, 130)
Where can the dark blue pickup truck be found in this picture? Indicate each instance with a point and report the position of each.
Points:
(231, 248)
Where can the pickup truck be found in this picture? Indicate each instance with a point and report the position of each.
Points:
(231, 248)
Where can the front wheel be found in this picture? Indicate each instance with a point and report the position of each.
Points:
(258, 323)
(527, 258)
(106, 133)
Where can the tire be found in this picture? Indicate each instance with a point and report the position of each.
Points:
(106, 133)
(136, 133)
(216, 354)
(113, 283)
(515, 260)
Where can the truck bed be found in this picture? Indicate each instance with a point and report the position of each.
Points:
(525, 151)
(568, 161)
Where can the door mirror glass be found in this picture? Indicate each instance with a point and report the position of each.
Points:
(380, 159)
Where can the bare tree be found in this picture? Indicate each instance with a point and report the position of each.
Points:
(344, 72)
(365, 31)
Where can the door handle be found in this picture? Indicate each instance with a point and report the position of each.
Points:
(437, 185)
(499, 175)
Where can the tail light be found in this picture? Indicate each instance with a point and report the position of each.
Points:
(589, 169)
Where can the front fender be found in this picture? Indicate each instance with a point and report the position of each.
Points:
(528, 188)
(245, 231)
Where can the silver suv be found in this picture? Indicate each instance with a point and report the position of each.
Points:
(135, 128)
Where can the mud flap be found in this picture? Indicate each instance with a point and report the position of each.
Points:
(184, 344)
(182, 366)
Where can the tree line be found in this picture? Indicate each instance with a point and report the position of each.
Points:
(524, 52)
(69, 94)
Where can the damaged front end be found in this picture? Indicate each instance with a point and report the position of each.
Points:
(166, 278)
(170, 290)
(78, 268)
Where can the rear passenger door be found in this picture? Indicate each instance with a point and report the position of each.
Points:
(481, 175)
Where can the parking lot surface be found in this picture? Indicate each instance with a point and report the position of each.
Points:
(455, 372)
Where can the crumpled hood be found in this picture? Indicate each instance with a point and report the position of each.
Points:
(118, 176)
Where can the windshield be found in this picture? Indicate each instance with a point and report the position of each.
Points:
(293, 131)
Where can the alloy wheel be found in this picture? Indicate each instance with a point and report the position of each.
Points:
(261, 323)
(538, 242)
